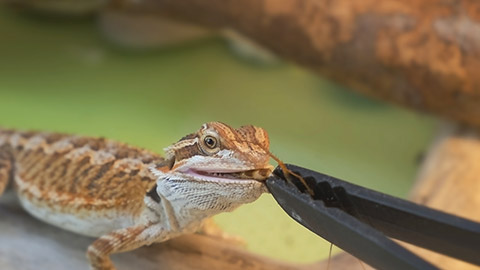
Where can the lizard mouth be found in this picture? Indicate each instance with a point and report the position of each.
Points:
(247, 175)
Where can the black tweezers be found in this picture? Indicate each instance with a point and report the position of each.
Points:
(358, 220)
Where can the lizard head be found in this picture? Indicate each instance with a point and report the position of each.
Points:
(218, 152)
(215, 169)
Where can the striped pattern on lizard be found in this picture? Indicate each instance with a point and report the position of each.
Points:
(130, 197)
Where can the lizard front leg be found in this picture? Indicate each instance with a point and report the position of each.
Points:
(122, 240)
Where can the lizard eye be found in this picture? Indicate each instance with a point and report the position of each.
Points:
(210, 142)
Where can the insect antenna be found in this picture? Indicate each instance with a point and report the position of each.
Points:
(288, 173)
(329, 256)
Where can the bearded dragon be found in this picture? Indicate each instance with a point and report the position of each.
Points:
(129, 197)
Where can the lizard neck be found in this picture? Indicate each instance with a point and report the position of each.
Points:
(187, 202)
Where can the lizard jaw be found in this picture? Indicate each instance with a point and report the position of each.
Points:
(258, 175)
(241, 176)
(224, 169)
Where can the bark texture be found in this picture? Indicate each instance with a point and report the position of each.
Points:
(421, 54)
(450, 181)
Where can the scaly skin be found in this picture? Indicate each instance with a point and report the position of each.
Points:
(130, 197)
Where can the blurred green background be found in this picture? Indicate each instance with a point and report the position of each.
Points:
(62, 75)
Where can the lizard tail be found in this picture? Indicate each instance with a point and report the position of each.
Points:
(6, 159)
(6, 167)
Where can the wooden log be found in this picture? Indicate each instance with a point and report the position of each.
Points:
(423, 54)
(29, 244)
(450, 181)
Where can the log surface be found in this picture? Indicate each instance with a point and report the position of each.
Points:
(423, 54)
(29, 244)
(450, 181)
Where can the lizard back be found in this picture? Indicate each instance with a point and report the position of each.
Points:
(83, 184)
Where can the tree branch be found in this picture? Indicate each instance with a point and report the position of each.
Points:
(421, 54)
